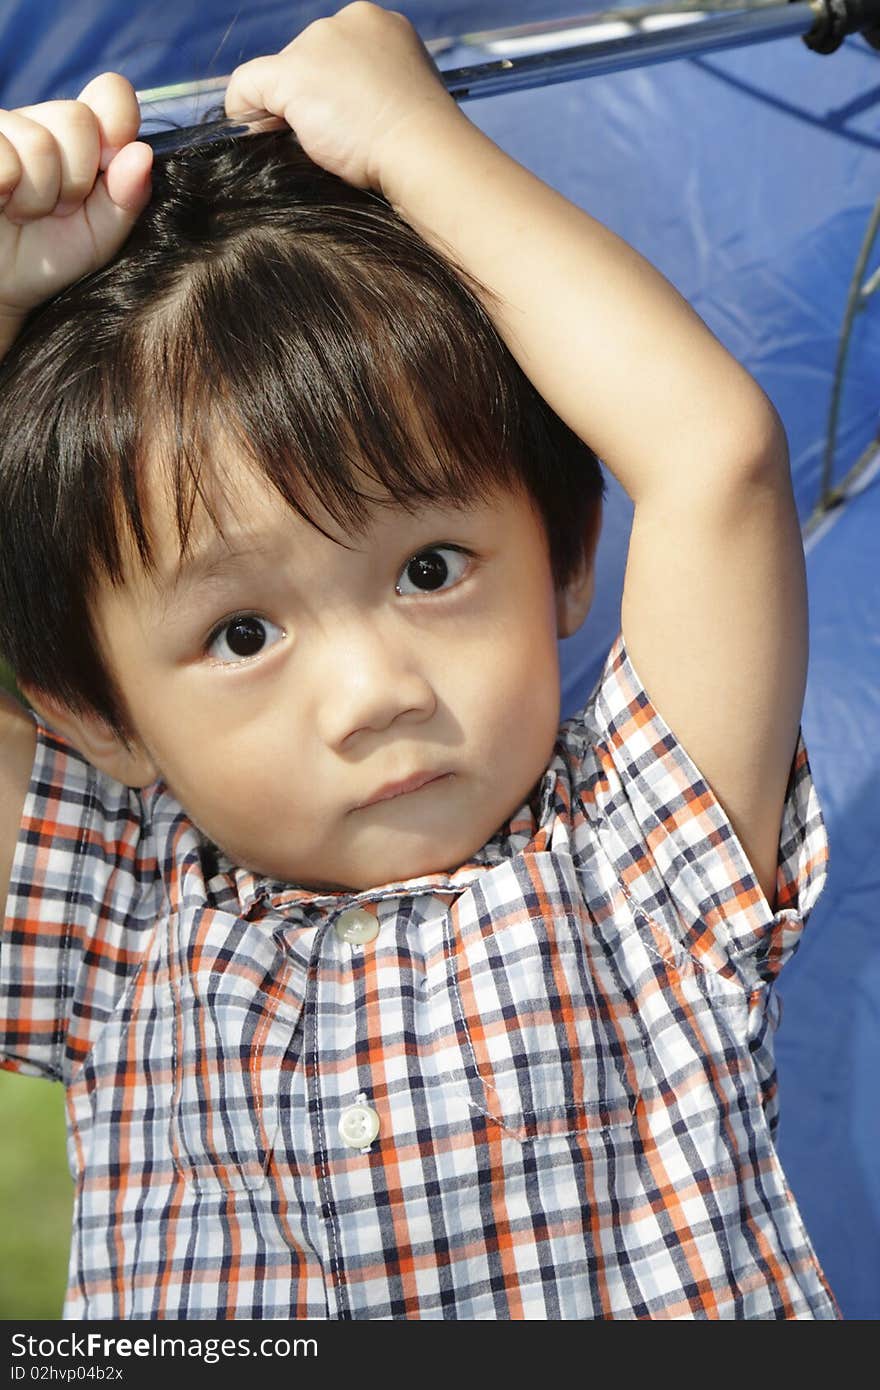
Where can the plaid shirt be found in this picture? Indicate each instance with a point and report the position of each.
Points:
(541, 1086)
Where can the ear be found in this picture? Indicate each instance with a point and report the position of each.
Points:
(574, 599)
(126, 761)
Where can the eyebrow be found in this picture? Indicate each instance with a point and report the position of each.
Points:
(215, 560)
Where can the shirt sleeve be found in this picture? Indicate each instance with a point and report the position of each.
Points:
(675, 851)
(79, 905)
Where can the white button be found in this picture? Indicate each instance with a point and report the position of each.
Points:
(356, 926)
(358, 1126)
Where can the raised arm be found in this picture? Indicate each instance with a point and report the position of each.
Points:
(714, 610)
(714, 604)
(72, 184)
(71, 187)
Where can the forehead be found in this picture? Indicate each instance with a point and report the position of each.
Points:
(232, 500)
(238, 518)
(213, 499)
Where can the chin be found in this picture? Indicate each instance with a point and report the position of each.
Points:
(389, 856)
(419, 862)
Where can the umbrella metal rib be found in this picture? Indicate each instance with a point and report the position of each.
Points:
(706, 33)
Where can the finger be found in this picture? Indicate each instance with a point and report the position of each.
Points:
(36, 191)
(113, 100)
(78, 143)
(10, 167)
(127, 180)
(256, 86)
(119, 197)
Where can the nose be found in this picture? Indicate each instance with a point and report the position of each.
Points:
(370, 681)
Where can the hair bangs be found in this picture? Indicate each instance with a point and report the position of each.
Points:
(333, 387)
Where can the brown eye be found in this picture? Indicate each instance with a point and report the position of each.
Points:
(242, 637)
(435, 568)
(427, 571)
(245, 636)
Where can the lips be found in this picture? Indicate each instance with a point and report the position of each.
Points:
(391, 790)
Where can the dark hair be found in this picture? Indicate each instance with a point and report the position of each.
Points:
(303, 316)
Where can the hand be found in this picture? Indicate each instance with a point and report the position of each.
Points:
(72, 184)
(349, 87)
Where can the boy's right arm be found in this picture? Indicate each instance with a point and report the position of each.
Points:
(72, 184)
(17, 743)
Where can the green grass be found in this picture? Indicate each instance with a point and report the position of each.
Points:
(36, 1192)
(36, 1196)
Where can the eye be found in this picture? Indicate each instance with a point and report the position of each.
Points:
(242, 637)
(435, 567)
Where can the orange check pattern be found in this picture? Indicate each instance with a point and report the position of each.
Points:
(567, 1045)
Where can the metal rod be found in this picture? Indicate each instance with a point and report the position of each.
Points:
(850, 485)
(709, 33)
(854, 302)
(649, 14)
(626, 14)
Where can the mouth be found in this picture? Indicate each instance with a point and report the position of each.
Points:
(392, 790)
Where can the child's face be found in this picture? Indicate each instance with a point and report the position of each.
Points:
(288, 686)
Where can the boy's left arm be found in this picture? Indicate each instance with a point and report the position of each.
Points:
(714, 609)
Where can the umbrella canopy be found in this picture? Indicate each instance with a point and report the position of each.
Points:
(748, 177)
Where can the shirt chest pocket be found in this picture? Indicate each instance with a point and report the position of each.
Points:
(234, 1045)
(226, 1106)
(539, 1029)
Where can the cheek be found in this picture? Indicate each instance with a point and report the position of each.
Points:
(249, 805)
(512, 687)
(225, 778)
(232, 771)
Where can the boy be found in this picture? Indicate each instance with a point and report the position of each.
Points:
(372, 1000)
